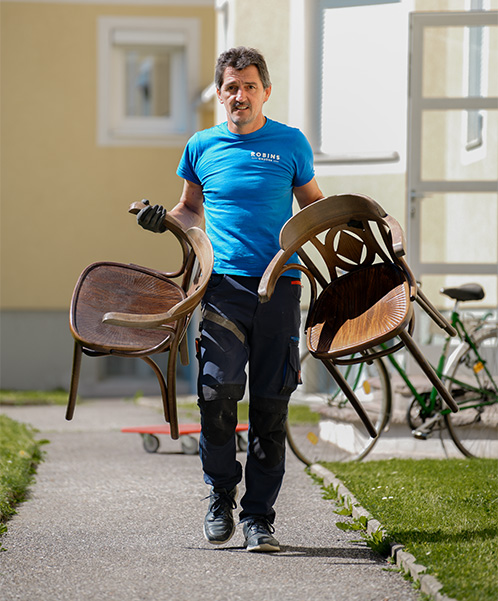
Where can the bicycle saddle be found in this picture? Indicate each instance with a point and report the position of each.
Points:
(466, 292)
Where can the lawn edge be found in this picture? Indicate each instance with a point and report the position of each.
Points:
(404, 560)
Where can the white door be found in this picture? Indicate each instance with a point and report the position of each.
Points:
(452, 220)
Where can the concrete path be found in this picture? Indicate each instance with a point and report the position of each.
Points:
(108, 521)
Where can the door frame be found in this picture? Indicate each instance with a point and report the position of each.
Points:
(417, 189)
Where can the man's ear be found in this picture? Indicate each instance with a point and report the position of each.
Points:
(267, 93)
(218, 93)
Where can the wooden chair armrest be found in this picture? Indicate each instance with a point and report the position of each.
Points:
(398, 236)
(270, 276)
(276, 268)
(146, 322)
(156, 320)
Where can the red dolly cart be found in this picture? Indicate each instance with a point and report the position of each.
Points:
(189, 443)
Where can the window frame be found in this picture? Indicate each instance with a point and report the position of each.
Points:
(475, 76)
(306, 93)
(115, 34)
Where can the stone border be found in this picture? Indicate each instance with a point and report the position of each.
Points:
(428, 583)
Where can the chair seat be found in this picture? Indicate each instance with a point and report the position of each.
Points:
(365, 307)
(105, 287)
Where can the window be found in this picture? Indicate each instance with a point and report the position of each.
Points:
(474, 118)
(364, 81)
(474, 65)
(354, 83)
(148, 74)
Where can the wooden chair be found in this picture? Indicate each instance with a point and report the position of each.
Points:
(132, 311)
(353, 251)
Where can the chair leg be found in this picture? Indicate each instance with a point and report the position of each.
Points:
(350, 395)
(428, 370)
(75, 377)
(162, 384)
(171, 379)
(183, 349)
(429, 308)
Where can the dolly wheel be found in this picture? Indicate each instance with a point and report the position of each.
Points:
(190, 446)
(150, 442)
(242, 441)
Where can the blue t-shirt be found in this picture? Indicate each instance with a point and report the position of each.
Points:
(247, 182)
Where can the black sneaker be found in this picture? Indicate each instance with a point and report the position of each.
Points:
(258, 535)
(218, 523)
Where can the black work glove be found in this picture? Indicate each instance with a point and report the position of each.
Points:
(152, 217)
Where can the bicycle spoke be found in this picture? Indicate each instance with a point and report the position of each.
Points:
(327, 428)
(473, 384)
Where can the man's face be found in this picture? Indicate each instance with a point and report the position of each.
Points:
(242, 94)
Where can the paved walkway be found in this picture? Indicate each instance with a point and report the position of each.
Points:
(108, 521)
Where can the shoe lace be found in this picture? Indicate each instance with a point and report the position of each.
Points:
(261, 526)
(222, 501)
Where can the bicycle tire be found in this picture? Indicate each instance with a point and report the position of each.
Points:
(325, 428)
(474, 429)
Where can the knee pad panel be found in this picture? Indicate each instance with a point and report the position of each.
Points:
(218, 419)
(267, 432)
(210, 391)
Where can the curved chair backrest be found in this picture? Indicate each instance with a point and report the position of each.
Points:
(326, 213)
(350, 242)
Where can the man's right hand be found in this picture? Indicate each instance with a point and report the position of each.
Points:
(152, 218)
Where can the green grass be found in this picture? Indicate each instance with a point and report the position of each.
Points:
(189, 412)
(302, 414)
(33, 397)
(243, 411)
(20, 453)
(298, 414)
(445, 512)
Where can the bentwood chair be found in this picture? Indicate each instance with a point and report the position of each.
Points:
(131, 311)
(353, 251)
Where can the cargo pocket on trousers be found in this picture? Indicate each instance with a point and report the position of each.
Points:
(292, 368)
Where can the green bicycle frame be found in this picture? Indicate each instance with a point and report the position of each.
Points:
(428, 404)
(464, 336)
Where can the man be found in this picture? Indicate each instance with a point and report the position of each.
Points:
(241, 176)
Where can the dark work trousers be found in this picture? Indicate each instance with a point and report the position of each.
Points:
(237, 330)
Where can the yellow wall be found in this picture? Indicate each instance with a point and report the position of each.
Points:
(64, 200)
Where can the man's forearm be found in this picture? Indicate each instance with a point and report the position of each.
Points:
(186, 216)
(190, 209)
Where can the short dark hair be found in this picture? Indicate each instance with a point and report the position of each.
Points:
(239, 58)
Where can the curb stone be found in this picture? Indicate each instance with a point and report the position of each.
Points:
(428, 583)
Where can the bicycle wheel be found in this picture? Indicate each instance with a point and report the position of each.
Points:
(324, 427)
(474, 429)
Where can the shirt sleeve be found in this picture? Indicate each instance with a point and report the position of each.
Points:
(305, 170)
(186, 166)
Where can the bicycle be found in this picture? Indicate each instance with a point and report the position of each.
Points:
(326, 428)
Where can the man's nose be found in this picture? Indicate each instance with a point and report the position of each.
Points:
(241, 94)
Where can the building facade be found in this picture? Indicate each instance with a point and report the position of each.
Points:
(99, 98)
